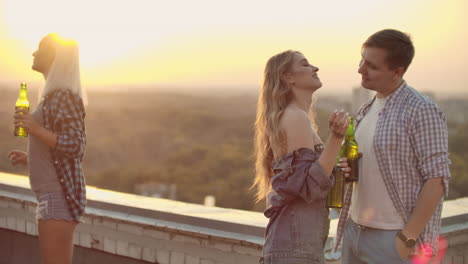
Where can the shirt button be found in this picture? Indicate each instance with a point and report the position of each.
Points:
(56, 162)
(61, 180)
(68, 197)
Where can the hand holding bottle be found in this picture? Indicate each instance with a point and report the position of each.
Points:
(25, 120)
(22, 103)
(344, 166)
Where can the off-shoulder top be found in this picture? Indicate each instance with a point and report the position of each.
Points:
(297, 175)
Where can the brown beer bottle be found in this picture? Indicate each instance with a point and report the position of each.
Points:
(22, 103)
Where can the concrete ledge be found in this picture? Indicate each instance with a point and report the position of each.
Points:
(153, 230)
(144, 228)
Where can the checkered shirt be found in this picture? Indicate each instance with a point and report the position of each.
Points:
(411, 145)
(63, 113)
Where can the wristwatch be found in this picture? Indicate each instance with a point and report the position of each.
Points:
(409, 242)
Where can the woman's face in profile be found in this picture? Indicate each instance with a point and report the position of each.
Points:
(303, 74)
(43, 56)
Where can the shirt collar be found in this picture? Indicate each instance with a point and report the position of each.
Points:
(398, 91)
(365, 108)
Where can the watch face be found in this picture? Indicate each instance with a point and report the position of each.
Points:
(410, 243)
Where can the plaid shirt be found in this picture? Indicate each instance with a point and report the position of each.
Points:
(63, 113)
(411, 145)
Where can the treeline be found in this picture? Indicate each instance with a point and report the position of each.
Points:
(202, 143)
(458, 147)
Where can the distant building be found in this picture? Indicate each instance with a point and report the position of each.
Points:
(455, 109)
(158, 190)
(332, 102)
(210, 200)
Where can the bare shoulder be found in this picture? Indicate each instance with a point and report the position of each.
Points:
(298, 129)
(294, 117)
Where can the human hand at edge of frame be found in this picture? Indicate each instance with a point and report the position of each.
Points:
(402, 250)
(18, 157)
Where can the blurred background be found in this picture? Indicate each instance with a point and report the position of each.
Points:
(173, 85)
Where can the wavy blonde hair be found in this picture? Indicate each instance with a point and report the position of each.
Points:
(274, 97)
(270, 141)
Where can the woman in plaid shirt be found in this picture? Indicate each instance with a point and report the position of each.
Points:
(56, 148)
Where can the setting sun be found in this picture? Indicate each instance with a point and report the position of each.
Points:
(218, 43)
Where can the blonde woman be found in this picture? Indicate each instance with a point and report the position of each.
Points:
(56, 148)
(293, 167)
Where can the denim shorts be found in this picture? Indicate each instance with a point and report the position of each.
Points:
(52, 206)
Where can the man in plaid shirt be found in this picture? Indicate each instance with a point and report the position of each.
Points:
(394, 210)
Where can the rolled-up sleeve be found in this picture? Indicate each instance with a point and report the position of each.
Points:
(430, 138)
(303, 179)
(69, 126)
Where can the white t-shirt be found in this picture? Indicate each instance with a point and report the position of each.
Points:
(370, 203)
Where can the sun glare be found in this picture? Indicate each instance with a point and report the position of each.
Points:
(151, 41)
(96, 25)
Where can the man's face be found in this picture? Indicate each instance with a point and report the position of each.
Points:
(375, 72)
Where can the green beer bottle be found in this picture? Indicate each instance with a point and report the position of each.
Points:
(352, 152)
(335, 195)
(22, 103)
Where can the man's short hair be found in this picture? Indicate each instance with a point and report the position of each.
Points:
(400, 49)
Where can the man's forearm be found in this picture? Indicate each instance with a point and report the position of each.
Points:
(428, 199)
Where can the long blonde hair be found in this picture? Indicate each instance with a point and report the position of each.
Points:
(64, 72)
(275, 96)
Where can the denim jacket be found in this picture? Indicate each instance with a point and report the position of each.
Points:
(298, 219)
